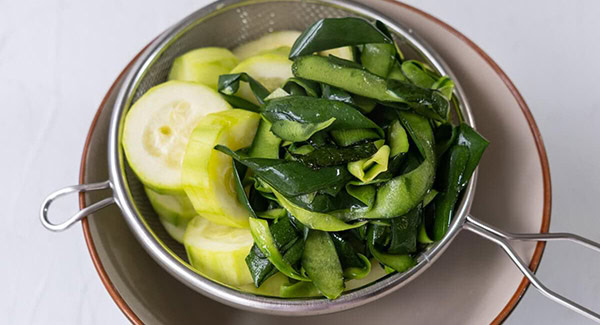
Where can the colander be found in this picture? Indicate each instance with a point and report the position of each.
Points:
(228, 23)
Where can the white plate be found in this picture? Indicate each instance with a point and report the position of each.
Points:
(472, 283)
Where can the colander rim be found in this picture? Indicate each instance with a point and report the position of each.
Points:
(232, 297)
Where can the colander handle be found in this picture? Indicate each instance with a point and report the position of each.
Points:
(79, 215)
(501, 238)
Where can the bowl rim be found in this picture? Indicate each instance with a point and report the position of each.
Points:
(130, 314)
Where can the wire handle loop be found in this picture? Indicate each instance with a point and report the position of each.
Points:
(501, 238)
(79, 215)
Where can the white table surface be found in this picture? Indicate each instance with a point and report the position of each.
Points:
(58, 58)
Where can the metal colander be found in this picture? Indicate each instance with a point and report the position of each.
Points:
(228, 23)
(229, 27)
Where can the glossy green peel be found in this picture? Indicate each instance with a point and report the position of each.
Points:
(264, 241)
(321, 263)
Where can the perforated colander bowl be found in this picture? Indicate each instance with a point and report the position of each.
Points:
(228, 23)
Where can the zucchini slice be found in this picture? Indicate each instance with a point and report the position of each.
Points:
(345, 52)
(218, 251)
(157, 129)
(203, 65)
(270, 69)
(174, 212)
(267, 43)
(207, 174)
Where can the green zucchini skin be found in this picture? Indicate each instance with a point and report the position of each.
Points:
(333, 156)
(332, 33)
(359, 81)
(403, 193)
(265, 143)
(397, 262)
(309, 111)
(458, 157)
(352, 79)
(287, 240)
(349, 137)
(321, 263)
(378, 58)
(291, 178)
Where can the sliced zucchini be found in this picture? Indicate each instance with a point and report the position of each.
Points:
(203, 65)
(277, 93)
(266, 43)
(175, 209)
(282, 50)
(368, 168)
(176, 232)
(218, 251)
(271, 287)
(265, 143)
(321, 263)
(174, 212)
(279, 285)
(377, 272)
(157, 129)
(345, 52)
(270, 69)
(207, 174)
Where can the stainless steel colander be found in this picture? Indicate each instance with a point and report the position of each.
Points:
(228, 23)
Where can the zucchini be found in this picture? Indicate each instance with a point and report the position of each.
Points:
(265, 144)
(322, 265)
(378, 58)
(268, 246)
(297, 118)
(368, 168)
(218, 251)
(282, 50)
(397, 139)
(207, 174)
(203, 65)
(268, 42)
(174, 212)
(315, 220)
(157, 129)
(271, 287)
(358, 80)
(404, 192)
(355, 80)
(396, 262)
(349, 137)
(270, 69)
(344, 52)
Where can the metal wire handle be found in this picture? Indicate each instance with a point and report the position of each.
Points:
(501, 238)
(79, 215)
